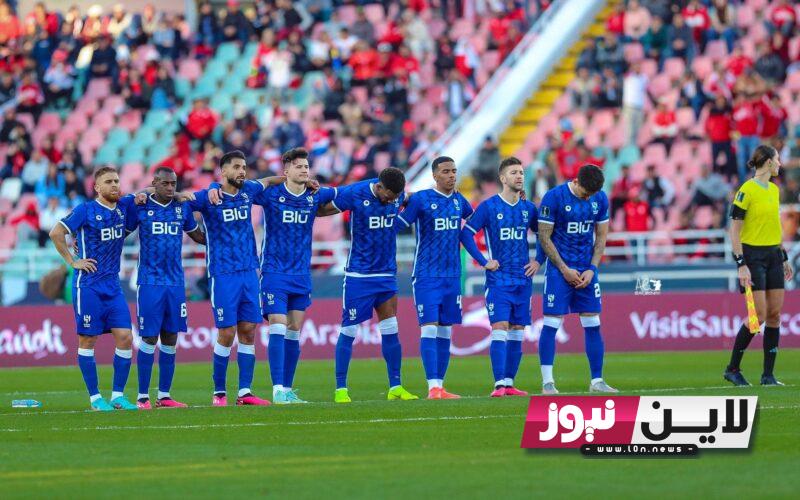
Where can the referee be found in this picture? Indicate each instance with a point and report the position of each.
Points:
(756, 240)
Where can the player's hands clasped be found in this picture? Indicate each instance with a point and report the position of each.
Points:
(88, 265)
(492, 265)
(788, 272)
(744, 276)
(572, 276)
(531, 268)
(586, 278)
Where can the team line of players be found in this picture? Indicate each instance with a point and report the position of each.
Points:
(571, 224)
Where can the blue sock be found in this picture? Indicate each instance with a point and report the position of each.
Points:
(88, 368)
(393, 354)
(428, 352)
(442, 356)
(122, 368)
(344, 351)
(221, 356)
(497, 354)
(547, 345)
(246, 359)
(594, 350)
(513, 353)
(291, 355)
(166, 367)
(144, 366)
(276, 352)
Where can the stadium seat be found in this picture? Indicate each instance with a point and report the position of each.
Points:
(11, 188)
(702, 67)
(716, 50)
(189, 69)
(226, 52)
(674, 68)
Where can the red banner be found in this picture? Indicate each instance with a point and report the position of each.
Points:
(44, 336)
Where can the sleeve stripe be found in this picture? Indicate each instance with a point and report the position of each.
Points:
(403, 221)
(66, 226)
(602, 221)
(195, 228)
(542, 221)
(333, 202)
(474, 231)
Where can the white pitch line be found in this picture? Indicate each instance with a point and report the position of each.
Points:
(323, 403)
(278, 424)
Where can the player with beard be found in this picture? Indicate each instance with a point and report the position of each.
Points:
(99, 227)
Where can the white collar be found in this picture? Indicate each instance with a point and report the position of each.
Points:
(286, 187)
(445, 195)
(104, 206)
(506, 201)
(152, 198)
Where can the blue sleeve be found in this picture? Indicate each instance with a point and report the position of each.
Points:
(75, 219)
(199, 202)
(477, 220)
(410, 214)
(262, 198)
(548, 208)
(534, 220)
(602, 213)
(189, 224)
(467, 238)
(215, 185)
(326, 195)
(253, 188)
(344, 198)
(466, 208)
(126, 202)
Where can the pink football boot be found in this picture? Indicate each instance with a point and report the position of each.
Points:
(143, 404)
(219, 400)
(498, 393)
(169, 403)
(251, 400)
(511, 391)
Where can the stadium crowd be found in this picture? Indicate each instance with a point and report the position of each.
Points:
(682, 89)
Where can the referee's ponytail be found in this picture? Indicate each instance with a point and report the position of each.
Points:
(761, 155)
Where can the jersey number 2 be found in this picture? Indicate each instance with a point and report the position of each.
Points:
(597, 290)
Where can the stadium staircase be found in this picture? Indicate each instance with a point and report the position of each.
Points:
(542, 101)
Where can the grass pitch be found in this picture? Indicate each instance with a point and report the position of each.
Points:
(374, 448)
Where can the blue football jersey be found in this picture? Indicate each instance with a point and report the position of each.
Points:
(438, 223)
(373, 246)
(230, 241)
(161, 229)
(573, 222)
(506, 229)
(288, 227)
(100, 232)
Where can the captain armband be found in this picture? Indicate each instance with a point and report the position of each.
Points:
(737, 212)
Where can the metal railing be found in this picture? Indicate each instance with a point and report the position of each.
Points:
(643, 249)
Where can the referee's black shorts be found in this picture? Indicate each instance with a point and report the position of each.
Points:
(766, 266)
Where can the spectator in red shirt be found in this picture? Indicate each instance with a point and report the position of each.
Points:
(266, 47)
(696, 16)
(738, 62)
(616, 21)
(40, 20)
(745, 119)
(403, 63)
(364, 62)
(10, 29)
(637, 212)
(773, 117)
(513, 37)
(567, 158)
(782, 18)
(30, 96)
(179, 161)
(498, 29)
(718, 128)
(665, 126)
(201, 121)
(49, 150)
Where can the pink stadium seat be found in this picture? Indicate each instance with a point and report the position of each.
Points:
(98, 88)
(602, 121)
(490, 60)
(478, 43)
(87, 105)
(189, 69)
(130, 120)
(654, 154)
(793, 82)
(716, 50)
(347, 14)
(461, 28)
(703, 217)
(27, 120)
(436, 27)
(427, 75)
(103, 120)
(758, 32)
(685, 117)
(592, 137)
(536, 142)
(649, 68)
(660, 85)
(794, 48)
(579, 121)
(374, 13)
(346, 145)
(563, 104)
(422, 114)
(548, 124)
(702, 67)
(113, 102)
(616, 137)
(758, 5)
(745, 17)
(49, 122)
(633, 52)
(674, 68)
(382, 160)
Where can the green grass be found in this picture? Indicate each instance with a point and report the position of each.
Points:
(374, 448)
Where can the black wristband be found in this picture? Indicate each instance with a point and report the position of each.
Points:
(785, 255)
(739, 259)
